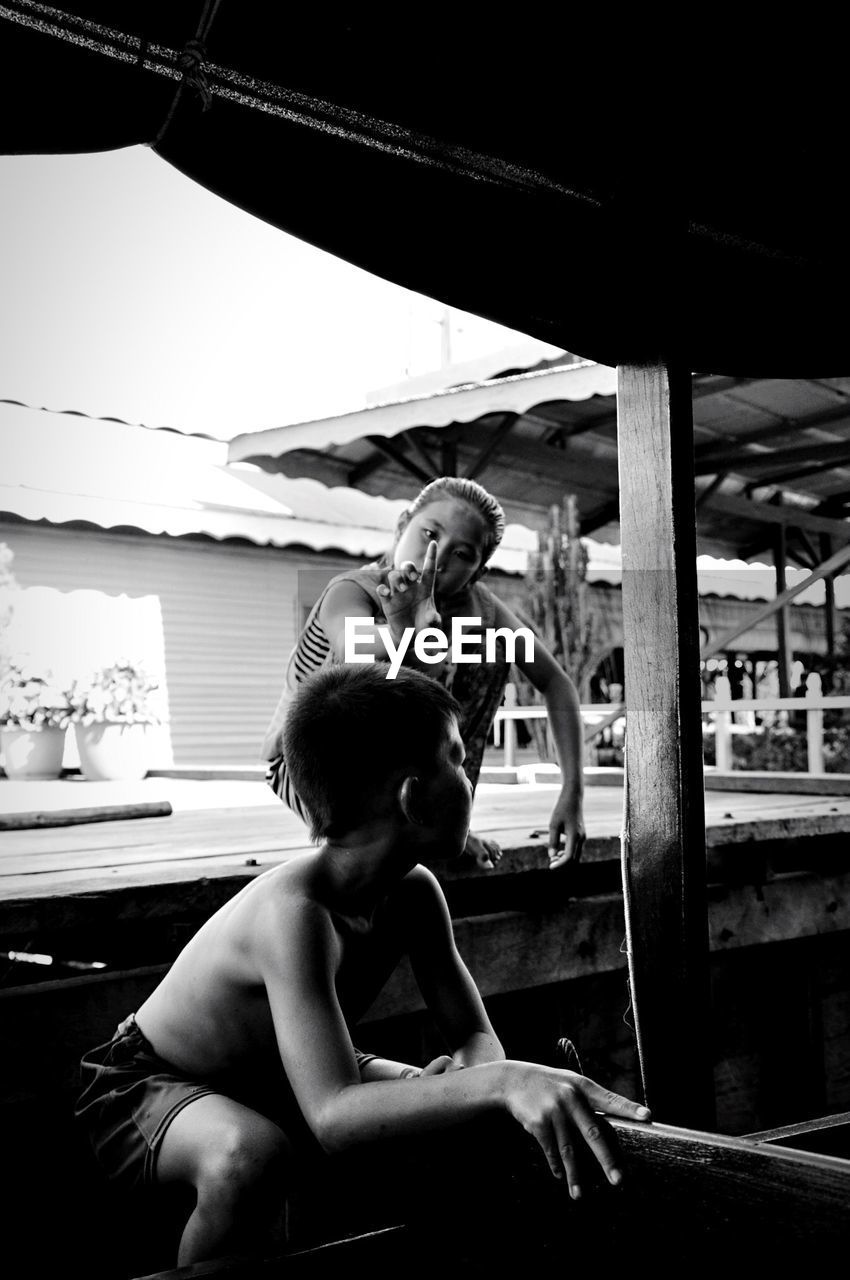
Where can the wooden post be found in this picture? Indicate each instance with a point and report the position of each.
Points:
(783, 651)
(510, 727)
(664, 863)
(814, 726)
(723, 727)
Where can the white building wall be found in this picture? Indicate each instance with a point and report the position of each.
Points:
(216, 620)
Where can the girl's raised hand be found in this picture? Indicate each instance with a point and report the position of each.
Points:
(408, 596)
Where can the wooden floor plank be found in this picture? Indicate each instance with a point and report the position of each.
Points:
(230, 845)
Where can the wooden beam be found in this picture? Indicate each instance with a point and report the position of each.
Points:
(830, 566)
(832, 505)
(448, 456)
(801, 473)
(732, 459)
(530, 456)
(700, 389)
(365, 468)
(397, 455)
(766, 513)
(507, 425)
(710, 489)
(782, 426)
(664, 858)
(812, 557)
(414, 442)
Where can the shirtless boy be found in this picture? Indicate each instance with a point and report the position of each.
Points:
(241, 1061)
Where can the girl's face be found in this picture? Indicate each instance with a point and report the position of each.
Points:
(460, 533)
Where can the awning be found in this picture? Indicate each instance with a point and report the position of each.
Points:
(68, 468)
(620, 191)
(770, 453)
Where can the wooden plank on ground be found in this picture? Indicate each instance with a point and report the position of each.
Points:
(39, 818)
(785, 783)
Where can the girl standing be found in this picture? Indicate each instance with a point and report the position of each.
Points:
(443, 543)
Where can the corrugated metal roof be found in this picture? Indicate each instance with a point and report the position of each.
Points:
(119, 475)
(61, 468)
(534, 436)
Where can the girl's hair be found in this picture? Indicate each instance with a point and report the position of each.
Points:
(470, 492)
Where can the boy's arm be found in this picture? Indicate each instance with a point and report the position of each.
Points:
(373, 1067)
(297, 951)
(446, 984)
(565, 723)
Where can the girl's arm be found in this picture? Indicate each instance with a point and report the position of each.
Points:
(565, 722)
(408, 605)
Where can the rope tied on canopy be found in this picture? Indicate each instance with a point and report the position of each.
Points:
(191, 62)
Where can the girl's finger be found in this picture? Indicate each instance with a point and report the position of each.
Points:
(407, 569)
(429, 567)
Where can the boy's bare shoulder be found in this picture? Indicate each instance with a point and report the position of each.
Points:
(420, 891)
(286, 902)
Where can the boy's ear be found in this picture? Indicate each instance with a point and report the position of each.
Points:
(410, 799)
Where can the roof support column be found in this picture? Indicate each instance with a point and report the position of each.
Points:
(664, 862)
(784, 655)
(829, 602)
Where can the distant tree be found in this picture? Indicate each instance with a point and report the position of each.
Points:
(558, 608)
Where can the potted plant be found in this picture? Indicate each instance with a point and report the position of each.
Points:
(112, 712)
(34, 714)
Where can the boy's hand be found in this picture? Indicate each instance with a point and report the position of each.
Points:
(558, 1108)
(408, 596)
(566, 823)
(486, 853)
(439, 1066)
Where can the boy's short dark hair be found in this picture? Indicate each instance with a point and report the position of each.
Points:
(349, 729)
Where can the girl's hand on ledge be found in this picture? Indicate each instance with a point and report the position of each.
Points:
(484, 852)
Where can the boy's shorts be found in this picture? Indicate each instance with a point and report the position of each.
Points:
(128, 1100)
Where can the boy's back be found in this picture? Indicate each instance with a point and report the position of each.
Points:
(241, 1062)
(211, 1014)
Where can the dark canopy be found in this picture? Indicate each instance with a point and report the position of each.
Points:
(682, 200)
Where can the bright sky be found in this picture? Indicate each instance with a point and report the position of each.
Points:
(130, 291)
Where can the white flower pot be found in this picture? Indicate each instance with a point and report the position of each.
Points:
(34, 754)
(112, 752)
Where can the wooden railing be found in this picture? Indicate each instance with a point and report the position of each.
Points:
(597, 717)
(721, 709)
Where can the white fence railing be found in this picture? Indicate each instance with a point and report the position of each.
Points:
(726, 715)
